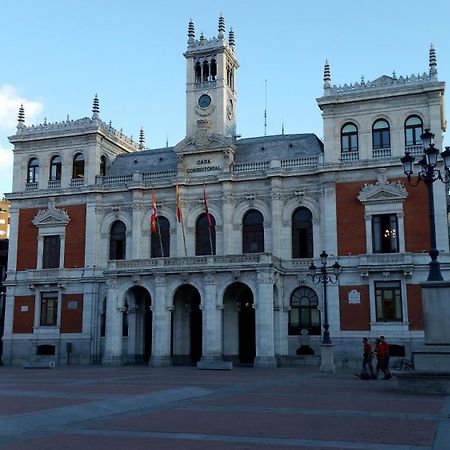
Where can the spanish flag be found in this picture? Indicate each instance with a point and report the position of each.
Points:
(178, 194)
(154, 213)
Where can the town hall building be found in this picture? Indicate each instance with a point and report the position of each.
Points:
(121, 254)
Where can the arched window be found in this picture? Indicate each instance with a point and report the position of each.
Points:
(205, 71)
(205, 235)
(102, 166)
(161, 239)
(413, 130)
(349, 138)
(78, 166)
(117, 241)
(253, 232)
(198, 72)
(302, 233)
(381, 134)
(304, 313)
(33, 171)
(55, 168)
(213, 69)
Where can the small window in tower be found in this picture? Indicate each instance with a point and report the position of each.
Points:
(213, 70)
(205, 71)
(198, 72)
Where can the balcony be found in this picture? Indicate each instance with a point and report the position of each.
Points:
(31, 185)
(54, 184)
(349, 156)
(381, 152)
(414, 149)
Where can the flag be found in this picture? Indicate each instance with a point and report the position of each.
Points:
(154, 214)
(179, 215)
(205, 203)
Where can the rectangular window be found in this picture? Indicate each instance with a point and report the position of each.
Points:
(49, 309)
(51, 255)
(388, 298)
(385, 233)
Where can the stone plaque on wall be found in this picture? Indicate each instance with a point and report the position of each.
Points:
(354, 297)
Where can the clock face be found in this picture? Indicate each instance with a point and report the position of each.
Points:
(204, 101)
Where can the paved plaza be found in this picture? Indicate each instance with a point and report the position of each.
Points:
(133, 408)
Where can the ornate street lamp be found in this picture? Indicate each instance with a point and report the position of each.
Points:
(428, 173)
(324, 275)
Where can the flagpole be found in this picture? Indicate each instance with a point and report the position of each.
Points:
(160, 238)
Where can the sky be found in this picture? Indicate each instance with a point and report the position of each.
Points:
(57, 54)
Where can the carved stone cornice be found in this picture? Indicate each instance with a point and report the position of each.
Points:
(383, 192)
(51, 217)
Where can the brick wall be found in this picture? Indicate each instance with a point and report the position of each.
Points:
(415, 311)
(354, 316)
(351, 229)
(23, 321)
(72, 313)
(27, 240)
(417, 230)
(75, 236)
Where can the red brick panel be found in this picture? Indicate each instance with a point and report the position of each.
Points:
(415, 311)
(72, 313)
(351, 229)
(23, 321)
(75, 236)
(354, 316)
(417, 230)
(27, 240)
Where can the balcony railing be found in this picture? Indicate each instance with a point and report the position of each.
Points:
(77, 182)
(414, 149)
(54, 184)
(251, 167)
(381, 152)
(349, 156)
(31, 185)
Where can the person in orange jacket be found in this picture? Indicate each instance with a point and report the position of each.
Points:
(384, 349)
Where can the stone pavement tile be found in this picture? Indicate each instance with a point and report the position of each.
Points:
(325, 401)
(11, 405)
(72, 441)
(336, 428)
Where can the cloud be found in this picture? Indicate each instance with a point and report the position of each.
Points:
(10, 101)
(6, 169)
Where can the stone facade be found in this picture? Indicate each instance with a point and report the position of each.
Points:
(87, 281)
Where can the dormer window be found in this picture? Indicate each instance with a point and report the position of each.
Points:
(349, 138)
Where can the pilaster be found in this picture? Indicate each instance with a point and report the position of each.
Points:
(113, 339)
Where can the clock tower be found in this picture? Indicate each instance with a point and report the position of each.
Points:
(210, 85)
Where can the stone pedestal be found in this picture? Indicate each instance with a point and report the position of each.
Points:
(327, 358)
(431, 374)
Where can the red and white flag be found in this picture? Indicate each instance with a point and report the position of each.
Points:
(154, 214)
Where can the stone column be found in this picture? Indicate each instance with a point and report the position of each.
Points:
(161, 333)
(265, 348)
(136, 230)
(113, 339)
(212, 325)
(277, 217)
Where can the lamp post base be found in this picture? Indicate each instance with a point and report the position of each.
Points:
(327, 358)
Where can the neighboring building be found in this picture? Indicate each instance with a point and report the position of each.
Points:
(4, 219)
(85, 268)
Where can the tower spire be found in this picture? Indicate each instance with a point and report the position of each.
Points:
(191, 32)
(326, 77)
(21, 118)
(95, 108)
(433, 62)
(221, 27)
(231, 38)
(141, 139)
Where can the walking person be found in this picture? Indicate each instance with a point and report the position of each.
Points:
(367, 367)
(384, 346)
(379, 355)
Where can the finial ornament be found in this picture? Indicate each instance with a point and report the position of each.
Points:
(221, 27)
(202, 37)
(141, 139)
(433, 62)
(191, 31)
(95, 108)
(326, 76)
(21, 118)
(231, 38)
